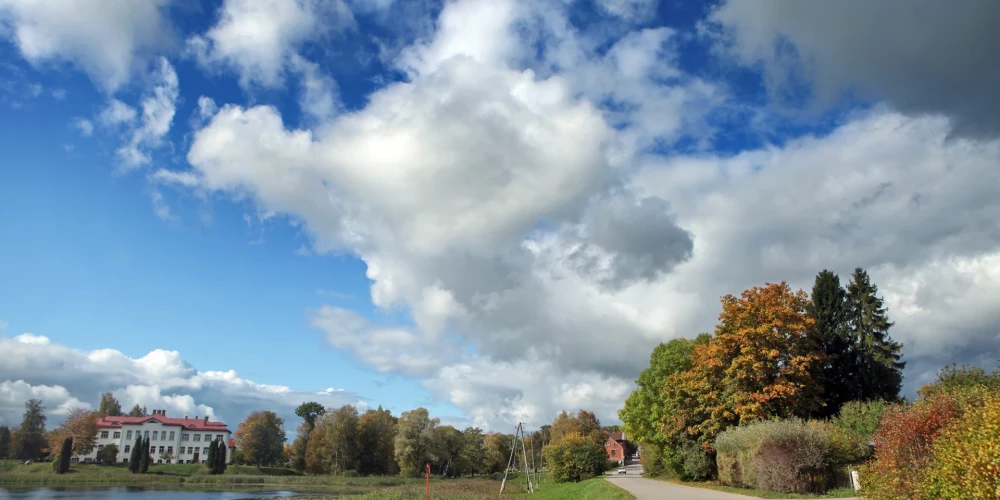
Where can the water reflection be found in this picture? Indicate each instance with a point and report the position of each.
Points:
(136, 493)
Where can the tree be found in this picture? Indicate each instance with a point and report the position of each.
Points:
(138, 411)
(30, 437)
(60, 464)
(108, 454)
(376, 436)
(880, 369)
(838, 367)
(146, 459)
(446, 451)
(220, 458)
(212, 456)
(297, 451)
(109, 406)
(584, 423)
(760, 364)
(575, 458)
(496, 449)
(309, 412)
(473, 450)
(4, 441)
(413, 440)
(341, 439)
(261, 437)
(81, 425)
(135, 459)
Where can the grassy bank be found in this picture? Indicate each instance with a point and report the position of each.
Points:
(712, 485)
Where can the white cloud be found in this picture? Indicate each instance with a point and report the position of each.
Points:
(629, 10)
(116, 113)
(102, 37)
(59, 94)
(925, 57)
(158, 108)
(64, 378)
(258, 38)
(186, 179)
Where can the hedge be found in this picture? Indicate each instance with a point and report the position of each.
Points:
(788, 456)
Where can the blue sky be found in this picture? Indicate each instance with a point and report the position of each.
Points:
(490, 209)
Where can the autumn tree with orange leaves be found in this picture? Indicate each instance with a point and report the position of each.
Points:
(760, 364)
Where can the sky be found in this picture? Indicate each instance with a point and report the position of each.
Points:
(493, 209)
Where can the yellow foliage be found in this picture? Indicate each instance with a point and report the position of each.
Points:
(966, 461)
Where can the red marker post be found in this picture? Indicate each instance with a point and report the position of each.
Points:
(427, 489)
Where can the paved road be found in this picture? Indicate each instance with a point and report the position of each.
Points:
(648, 489)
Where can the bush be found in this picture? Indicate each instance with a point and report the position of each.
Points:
(966, 457)
(108, 454)
(575, 458)
(903, 447)
(789, 456)
(653, 464)
(853, 430)
(693, 463)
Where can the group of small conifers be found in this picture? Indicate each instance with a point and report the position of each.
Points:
(140, 459)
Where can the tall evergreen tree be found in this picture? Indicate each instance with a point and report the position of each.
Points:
(212, 452)
(30, 438)
(220, 458)
(110, 407)
(879, 365)
(146, 459)
(828, 307)
(60, 464)
(135, 458)
(138, 411)
(4, 441)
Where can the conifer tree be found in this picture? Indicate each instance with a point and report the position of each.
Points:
(879, 365)
(839, 363)
(145, 456)
(211, 457)
(135, 459)
(220, 458)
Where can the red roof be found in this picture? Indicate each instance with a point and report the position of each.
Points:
(195, 424)
(617, 436)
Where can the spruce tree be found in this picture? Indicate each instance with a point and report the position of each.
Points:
(4, 441)
(145, 456)
(879, 365)
(838, 367)
(135, 459)
(211, 457)
(65, 454)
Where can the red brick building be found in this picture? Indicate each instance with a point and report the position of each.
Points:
(617, 447)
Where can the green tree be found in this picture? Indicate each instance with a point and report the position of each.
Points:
(341, 439)
(413, 441)
(473, 450)
(146, 458)
(584, 423)
(30, 438)
(309, 412)
(446, 451)
(138, 411)
(880, 369)
(4, 441)
(575, 458)
(376, 436)
(110, 407)
(60, 464)
(108, 454)
(299, 447)
(212, 455)
(497, 451)
(221, 461)
(135, 458)
(838, 367)
(261, 437)
(952, 379)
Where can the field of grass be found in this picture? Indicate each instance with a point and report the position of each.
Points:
(711, 485)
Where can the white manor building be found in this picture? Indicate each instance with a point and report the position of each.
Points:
(171, 440)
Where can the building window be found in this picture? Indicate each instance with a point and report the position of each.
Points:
(126, 448)
(155, 434)
(208, 437)
(161, 449)
(128, 434)
(125, 460)
(74, 459)
(145, 434)
(159, 461)
(171, 436)
(204, 450)
(152, 450)
(104, 434)
(100, 447)
(197, 437)
(218, 437)
(87, 459)
(190, 450)
(185, 436)
(117, 435)
(170, 450)
(614, 453)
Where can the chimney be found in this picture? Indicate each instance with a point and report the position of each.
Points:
(206, 420)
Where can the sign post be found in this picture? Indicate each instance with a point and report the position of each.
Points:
(427, 488)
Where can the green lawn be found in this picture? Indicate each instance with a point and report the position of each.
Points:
(711, 485)
(591, 489)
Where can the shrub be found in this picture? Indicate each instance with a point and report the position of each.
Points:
(966, 457)
(693, 463)
(852, 431)
(575, 458)
(789, 456)
(903, 447)
(108, 454)
(653, 463)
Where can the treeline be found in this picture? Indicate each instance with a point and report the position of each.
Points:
(344, 441)
(31, 441)
(775, 354)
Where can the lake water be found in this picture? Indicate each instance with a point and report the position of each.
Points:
(136, 493)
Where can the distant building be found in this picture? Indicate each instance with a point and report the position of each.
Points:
(618, 448)
(183, 440)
